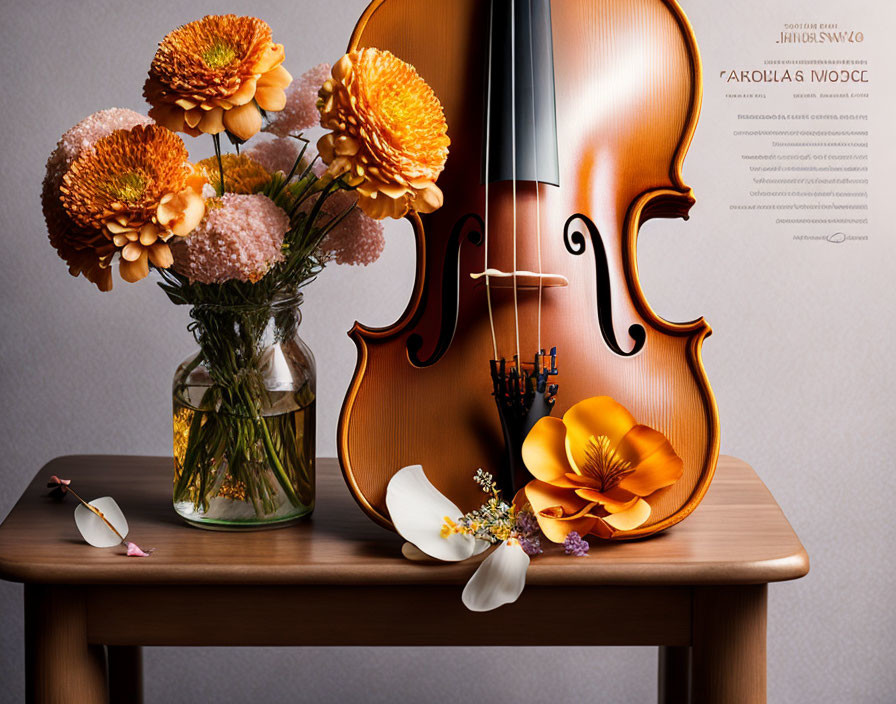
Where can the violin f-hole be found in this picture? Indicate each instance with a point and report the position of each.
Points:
(575, 244)
(450, 291)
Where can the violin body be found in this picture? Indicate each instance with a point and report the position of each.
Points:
(627, 89)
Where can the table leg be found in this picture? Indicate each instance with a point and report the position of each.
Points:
(125, 674)
(729, 644)
(674, 674)
(60, 665)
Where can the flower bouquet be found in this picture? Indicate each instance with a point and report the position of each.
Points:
(236, 236)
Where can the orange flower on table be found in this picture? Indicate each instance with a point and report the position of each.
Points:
(389, 137)
(135, 190)
(216, 74)
(594, 468)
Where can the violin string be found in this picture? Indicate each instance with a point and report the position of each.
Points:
(535, 167)
(516, 310)
(488, 129)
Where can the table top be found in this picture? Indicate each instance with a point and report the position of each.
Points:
(738, 535)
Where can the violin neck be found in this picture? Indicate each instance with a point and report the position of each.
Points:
(521, 118)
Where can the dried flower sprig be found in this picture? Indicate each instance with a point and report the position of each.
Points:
(95, 519)
(496, 520)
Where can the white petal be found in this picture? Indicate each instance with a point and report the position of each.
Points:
(499, 580)
(418, 511)
(415, 554)
(93, 528)
(481, 546)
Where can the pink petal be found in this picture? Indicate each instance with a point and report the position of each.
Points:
(58, 487)
(134, 550)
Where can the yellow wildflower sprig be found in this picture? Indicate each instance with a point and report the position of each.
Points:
(496, 520)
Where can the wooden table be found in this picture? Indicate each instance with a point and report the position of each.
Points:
(698, 591)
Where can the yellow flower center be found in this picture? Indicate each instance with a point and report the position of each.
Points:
(603, 464)
(220, 54)
(395, 107)
(128, 187)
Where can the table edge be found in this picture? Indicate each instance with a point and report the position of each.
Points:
(780, 568)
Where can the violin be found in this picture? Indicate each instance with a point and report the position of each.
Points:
(569, 123)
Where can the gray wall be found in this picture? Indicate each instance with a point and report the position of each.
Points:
(800, 363)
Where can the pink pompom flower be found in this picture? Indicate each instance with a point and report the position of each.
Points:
(277, 154)
(240, 238)
(301, 111)
(357, 239)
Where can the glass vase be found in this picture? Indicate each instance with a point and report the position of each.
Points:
(244, 419)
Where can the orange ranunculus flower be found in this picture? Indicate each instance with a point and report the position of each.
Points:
(85, 250)
(134, 190)
(389, 137)
(593, 469)
(214, 74)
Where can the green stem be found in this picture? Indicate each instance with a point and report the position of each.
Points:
(190, 456)
(292, 171)
(216, 138)
(276, 465)
(324, 192)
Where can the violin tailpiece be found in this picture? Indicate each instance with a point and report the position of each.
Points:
(523, 396)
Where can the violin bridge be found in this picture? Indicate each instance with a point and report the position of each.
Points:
(524, 279)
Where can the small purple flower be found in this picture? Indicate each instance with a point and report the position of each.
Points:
(575, 545)
(531, 546)
(526, 524)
